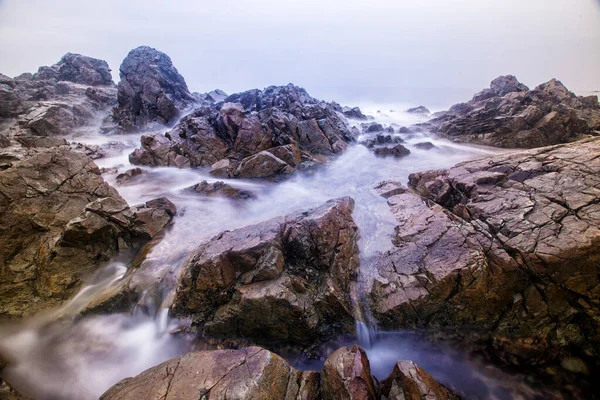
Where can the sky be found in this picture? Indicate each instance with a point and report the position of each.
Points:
(435, 52)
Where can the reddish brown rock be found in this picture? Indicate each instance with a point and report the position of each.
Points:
(288, 278)
(347, 376)
(408, 381)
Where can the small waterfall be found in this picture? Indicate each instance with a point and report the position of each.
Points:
(366, 334)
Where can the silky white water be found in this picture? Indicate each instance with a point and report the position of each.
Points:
(80, 358)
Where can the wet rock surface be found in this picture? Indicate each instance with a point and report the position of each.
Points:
(393, 151)
(510, 115)
(256, 133)
(288, 278)
(59, 221)
(255, 373)
(65, 98)
(221, 189)
(151, 91)
(508, 244)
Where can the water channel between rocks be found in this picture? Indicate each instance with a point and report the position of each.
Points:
(81, 360)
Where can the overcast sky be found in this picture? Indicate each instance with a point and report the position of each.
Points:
(431, 51)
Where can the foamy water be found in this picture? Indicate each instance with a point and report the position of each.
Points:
(81, 358)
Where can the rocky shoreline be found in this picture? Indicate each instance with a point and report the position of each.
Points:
(502, 250)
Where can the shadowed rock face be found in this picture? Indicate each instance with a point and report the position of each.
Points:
(509, 244)
(151, 90)
(256, 133)
(255, 373)
(59, 221)
(77, 69)
(288, 278)
(510, 115)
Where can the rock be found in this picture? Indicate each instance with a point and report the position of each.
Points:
(59, 100)
(510, 115)
(390, 188)
(507, 245)
(425, 145)
(151, 91)
(382, 139)
(371, 127)
(419, 110)
(92, 151)
(410, 382)
(274, 126)
(289, 278)
(59, 221)
(262, 165)
(353, 113)
(347, 375)
(129, 175)
(36, 141)
(222, 168)
(77, 69)
(251, 373)
(221, 189)
(396, 151)
(9, 393)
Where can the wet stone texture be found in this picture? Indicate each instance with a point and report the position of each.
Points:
(509, 244)
(289, 278)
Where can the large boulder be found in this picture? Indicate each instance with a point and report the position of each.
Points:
(508, 245)
(283, 121)
(347, 376)
(60, 100)
(510, 115)
(77, 68)
(59, 221)
(289, 278)
(151, 90)
(251, 373)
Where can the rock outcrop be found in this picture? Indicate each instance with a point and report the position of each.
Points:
(255, 133)
(397, 151)
(509, 245)
(510, 115)
(151, 91)
(255, 373)
(289, 278)
(59, 220)
(222, 189)
(59, 100)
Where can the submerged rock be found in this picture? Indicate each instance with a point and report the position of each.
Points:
(510, 115)
(508, 244)
(395, 151)
(289, 278)
(151, 90)
(59, 221)
(253, 134)
(221, 189)
(128, 175)
(425, 145)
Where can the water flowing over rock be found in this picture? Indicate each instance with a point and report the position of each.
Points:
(221, 189)
(257, 133)
(508, 244)
(289, 278)
(59, 221)
(255, 373)
(59, 100)
(151, 91)
(510, 115)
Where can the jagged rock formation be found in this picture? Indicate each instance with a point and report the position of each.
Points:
(255, 373)
(419, 110)
(56, 101)
(253, 134)
(221, 189)
(59, 220)
(288, 278)
(508, 244)
(151, 91)
(510, 115)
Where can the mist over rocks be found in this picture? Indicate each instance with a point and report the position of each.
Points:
(77, 68)
(510, 115)
(508, 245)
(251, 134)
(151, 90)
